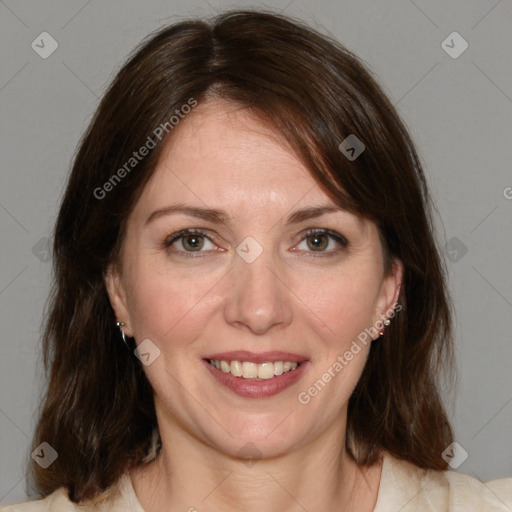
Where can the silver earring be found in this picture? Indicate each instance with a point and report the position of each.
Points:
(120, 325)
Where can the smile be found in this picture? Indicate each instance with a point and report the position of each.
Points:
(249, 370)
(253, 375)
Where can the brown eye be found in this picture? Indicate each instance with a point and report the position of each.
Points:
(322, 241)
(189, 241)
(318, 242)
(193, 242)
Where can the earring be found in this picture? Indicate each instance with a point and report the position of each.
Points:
(386, 323)
(120, 325)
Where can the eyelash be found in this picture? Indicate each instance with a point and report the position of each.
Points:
(338, 238)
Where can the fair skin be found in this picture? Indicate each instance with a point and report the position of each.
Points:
(309, 295)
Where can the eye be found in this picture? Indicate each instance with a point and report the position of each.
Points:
(322, 241)
(190, 240)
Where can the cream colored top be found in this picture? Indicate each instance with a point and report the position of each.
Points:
(403, 487)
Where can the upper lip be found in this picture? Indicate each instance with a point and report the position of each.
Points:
(257, 357)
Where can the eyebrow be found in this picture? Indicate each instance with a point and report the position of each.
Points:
(221, 217)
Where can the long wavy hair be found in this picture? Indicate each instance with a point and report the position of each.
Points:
(98, 411)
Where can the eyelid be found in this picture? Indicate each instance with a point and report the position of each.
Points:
(189, 231)
(337, 237)
(182, 233)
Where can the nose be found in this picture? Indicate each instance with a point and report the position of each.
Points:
(258, 299)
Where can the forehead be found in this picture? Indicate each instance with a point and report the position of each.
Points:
(223, 154)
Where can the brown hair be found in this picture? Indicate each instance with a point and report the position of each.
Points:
(98, 413)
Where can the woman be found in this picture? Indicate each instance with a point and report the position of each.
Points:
(250, 310)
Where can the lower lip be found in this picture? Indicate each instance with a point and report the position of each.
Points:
(250, 388)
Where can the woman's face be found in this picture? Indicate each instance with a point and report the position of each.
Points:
(270, 272)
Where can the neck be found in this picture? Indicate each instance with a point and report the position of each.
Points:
(189, 475)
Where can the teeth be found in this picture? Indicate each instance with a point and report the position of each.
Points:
(249, 370)
(278, 368)
(236, 368)
(265, 370)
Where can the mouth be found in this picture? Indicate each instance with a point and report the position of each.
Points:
(256, 375)
(254, 371)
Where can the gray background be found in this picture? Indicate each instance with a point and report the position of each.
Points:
(458, 111)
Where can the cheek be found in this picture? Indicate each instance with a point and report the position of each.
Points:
(342, 313)
(343, 305)
(162, 305)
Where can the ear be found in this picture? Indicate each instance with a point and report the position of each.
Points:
(390, 290)
(117, 296)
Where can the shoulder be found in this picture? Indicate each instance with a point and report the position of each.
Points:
(56, 502)
(121, 498)
(409, 488)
